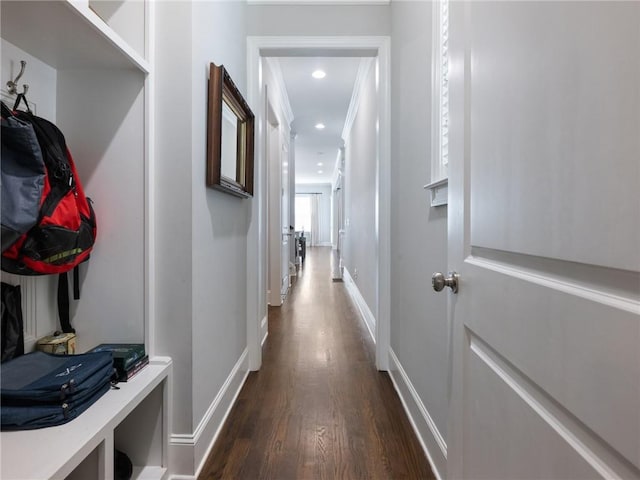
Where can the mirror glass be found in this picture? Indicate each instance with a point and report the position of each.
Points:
(229, 141)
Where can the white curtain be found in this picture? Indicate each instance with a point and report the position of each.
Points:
(315, 221)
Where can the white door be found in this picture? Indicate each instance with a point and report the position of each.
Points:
(274, 206)
(544, 225)
(287, 236)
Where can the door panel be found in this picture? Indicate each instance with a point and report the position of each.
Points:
(581, 352)
(517, 447)
(554, 119)
(545, 233)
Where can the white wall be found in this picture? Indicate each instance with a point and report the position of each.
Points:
(418, 232)
(305, 20)
(174, 309)
(103, 150)
(201, 234)
(360, 252)
(220, 221)
(324, 209)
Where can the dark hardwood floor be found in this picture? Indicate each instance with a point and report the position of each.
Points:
(318, 408)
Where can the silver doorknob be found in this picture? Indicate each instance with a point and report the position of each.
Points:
(439, 281)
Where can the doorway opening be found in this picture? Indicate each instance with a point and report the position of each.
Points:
(260, 52)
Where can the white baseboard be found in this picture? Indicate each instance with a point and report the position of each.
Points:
(425, 428)
(365, 312)
(264, 328)
(188, 452)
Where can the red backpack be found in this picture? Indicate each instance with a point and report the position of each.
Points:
(48, 225)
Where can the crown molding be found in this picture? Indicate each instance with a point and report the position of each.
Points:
(274, 65)
(337, 168)
(361, 77)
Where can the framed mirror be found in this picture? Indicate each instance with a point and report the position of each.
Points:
(230, 136)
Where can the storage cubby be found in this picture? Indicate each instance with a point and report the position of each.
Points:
(133, 418)
(88, 72)
(91, 466)
(146, 421)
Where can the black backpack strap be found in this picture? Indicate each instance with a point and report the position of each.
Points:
(76, 282)
(63, 303)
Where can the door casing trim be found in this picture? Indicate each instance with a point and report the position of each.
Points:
(265, 46)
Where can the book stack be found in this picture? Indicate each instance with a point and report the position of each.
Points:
(128, 358)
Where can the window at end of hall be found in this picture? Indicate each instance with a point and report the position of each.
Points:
(303, 213)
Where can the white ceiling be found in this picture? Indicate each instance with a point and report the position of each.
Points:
(318, 101)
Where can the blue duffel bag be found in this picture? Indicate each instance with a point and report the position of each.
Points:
(41, 390)
(29, 417)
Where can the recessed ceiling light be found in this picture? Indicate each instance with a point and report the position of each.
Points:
(319, 171)
(318, 74)
(319, 164)
(285, 164)
(320, 126)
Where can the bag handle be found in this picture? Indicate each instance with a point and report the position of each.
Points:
(21, 98)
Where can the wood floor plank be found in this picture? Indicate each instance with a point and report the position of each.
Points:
(318, 408)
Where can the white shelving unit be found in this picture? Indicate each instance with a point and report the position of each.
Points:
(99, 96)
(67, 34)
(83, 448)
(101, 103)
